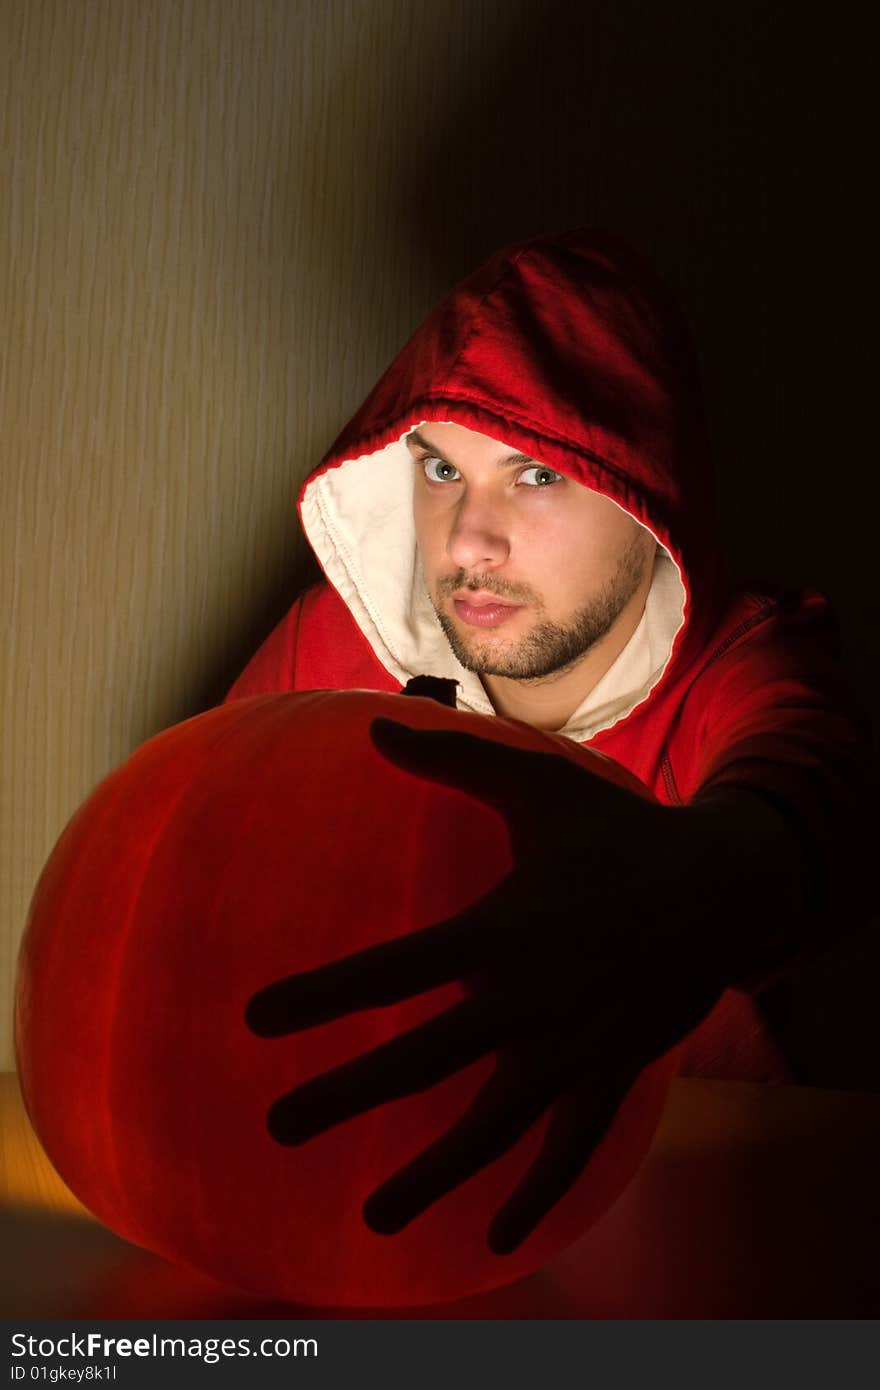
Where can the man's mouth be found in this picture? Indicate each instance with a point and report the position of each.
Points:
(482, 609)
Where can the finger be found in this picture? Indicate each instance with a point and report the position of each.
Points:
(578, 1124)
(501, 776)
(497, 1118)
(413, 1061)
(381, 975)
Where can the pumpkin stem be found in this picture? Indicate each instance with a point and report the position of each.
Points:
(432, 688)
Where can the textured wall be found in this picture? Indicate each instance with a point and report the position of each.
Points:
(221, 218)
(200, 273)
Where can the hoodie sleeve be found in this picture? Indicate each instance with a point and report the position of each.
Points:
(776, 713)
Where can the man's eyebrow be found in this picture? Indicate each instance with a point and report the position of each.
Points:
(506, 462)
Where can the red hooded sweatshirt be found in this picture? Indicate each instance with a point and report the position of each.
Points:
(568, 349)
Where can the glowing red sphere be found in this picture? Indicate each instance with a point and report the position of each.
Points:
(265, 837)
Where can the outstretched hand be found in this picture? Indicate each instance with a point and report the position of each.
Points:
(580, 967)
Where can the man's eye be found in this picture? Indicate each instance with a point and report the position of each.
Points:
(539, 476)
(439, 471)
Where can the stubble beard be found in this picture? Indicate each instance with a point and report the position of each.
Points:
(549, 649)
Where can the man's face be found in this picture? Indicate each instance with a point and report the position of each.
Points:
(527, 570)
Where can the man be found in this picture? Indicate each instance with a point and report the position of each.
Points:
(523, 506)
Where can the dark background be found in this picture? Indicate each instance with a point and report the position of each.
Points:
(731, 143)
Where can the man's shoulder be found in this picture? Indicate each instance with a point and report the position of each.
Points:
(768, 616)
(317, 645)
(328, 649)
(774, 647)
(320, 603)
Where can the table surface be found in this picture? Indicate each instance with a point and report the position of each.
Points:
(754, 1202)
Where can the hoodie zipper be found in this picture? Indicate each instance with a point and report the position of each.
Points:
(669, 780)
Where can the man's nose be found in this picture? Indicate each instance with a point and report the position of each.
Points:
(479, 537)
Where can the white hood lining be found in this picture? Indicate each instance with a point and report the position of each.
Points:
(358, 520)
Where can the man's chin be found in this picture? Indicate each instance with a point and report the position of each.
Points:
(542, 653)
(494, 656)
(480, 650)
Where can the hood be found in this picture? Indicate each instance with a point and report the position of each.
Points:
(567, 348)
